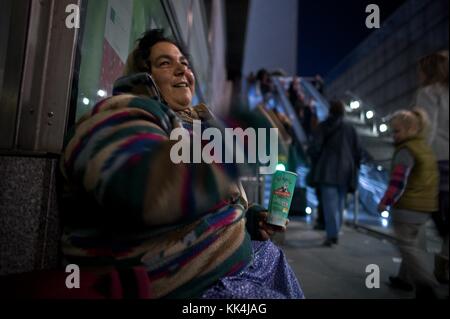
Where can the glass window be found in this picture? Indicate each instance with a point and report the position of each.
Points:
(191, 17)
(7, 114)
(4, 31)
(110, 31)
(13, 32)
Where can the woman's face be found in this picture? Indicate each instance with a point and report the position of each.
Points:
(171, 72)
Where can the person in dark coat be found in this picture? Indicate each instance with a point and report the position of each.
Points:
(336, 152)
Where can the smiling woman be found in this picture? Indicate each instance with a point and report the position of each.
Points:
(188, 226)
(170, 68)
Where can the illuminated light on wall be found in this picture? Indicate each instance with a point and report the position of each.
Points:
(308, 210)
(101, 93)
(369, 114)
(383, 128)
(385, 214)
(354, 105)
(281, 167)
(86, 101)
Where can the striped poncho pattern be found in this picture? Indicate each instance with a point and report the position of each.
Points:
(128, 205)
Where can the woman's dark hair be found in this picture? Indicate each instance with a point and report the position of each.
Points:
(138, 59)
(337, 108)
(434, 68)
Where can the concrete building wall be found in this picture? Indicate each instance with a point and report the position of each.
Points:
(271, 39)
(382, 70)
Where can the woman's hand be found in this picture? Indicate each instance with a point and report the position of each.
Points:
(265, 230)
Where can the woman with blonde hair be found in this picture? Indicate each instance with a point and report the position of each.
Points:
(412, 196)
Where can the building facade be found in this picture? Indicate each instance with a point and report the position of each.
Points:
(382, 70)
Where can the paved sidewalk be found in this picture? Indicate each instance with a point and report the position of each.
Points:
(339, 272)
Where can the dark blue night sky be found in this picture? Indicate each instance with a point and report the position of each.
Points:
(329, 30)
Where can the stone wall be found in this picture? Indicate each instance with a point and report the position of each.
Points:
(29, 220)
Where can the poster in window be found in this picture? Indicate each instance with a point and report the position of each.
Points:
(116, 42)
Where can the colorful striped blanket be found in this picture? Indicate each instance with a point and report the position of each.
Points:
(128, 205)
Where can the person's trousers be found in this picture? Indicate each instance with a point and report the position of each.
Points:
(441, 220)
(443, 206)
(333, 203)
(407, 224)
(320, 219)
